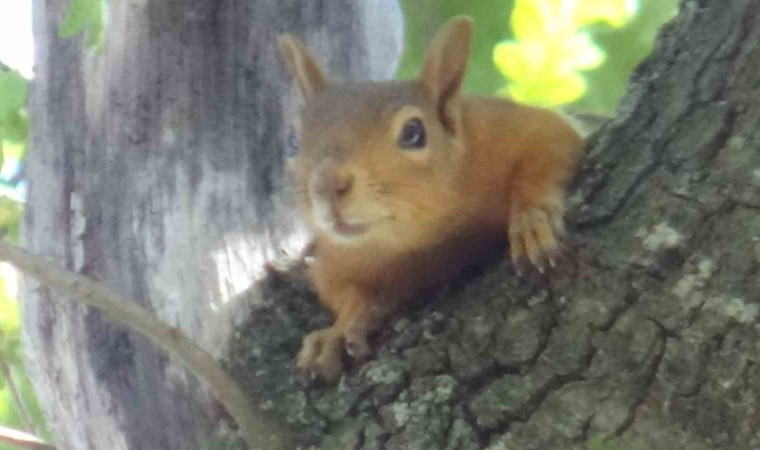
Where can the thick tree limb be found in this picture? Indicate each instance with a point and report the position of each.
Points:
(255, 427)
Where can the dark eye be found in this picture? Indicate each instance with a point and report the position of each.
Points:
(412, 136)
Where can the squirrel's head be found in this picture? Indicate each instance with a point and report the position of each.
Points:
(381, 160)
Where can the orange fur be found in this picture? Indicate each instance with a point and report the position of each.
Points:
(392, 216)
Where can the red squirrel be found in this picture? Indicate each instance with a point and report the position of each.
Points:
(404, 182)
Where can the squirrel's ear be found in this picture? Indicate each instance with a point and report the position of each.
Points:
(303, 67)
(446, 61)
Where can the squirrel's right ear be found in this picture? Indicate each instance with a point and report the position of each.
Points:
(446, 62)
(447, 56)
(302, 65)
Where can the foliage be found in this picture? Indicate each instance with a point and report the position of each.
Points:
(10, 222)
(27, 415)
(18, 405)
(13, 119)
(84, 16)
(617, 47)
(9, 327)
(552, 45)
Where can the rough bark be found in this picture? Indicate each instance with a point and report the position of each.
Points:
(646, 338)
(156, 168)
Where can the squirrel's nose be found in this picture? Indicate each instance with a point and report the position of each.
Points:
(342, 184)
(333, 184)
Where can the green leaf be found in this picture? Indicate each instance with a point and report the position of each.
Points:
(14, 150)
(615, 13)
(10, 351)
(580, 53)
(13, 122)
(84, 16)
(15, 128)
(13, 90)
(520, 62)
(532, 20)
(10, 225)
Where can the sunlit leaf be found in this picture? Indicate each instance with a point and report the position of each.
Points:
(542, 64)
(9, 312)
(530, 19)
(14, 150)
(615, 13)
(520, 62)
(578, 52)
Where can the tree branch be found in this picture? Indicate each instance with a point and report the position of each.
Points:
(22, 439)
(255, 426)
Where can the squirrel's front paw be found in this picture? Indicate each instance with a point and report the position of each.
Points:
(357, 345)
(320, 357)
(533, 235)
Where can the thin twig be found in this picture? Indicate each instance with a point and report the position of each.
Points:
(18, 400)
(22, 439)
(255, 426)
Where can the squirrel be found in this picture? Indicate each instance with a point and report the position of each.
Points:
(402, 183)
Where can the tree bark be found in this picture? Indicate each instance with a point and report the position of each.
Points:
(646, 338)
(157, 169)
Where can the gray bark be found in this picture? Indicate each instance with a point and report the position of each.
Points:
(646, 338)
(157, 168)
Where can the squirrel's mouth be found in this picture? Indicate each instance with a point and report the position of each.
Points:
(327, 217)
(344, 219)
(342, 228)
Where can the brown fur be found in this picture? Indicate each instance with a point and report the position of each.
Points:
(388, 221)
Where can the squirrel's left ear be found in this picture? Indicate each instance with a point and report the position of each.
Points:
(446, 63)
(303, 67)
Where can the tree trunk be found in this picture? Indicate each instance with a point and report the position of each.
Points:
(646, 338)
(157, 168)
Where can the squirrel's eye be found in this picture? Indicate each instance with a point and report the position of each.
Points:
(412, 136)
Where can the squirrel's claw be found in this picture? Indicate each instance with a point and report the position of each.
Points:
(533, 239)
(320, 358)
(357, 346)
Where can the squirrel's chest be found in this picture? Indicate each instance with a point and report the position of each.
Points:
(404, 273)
